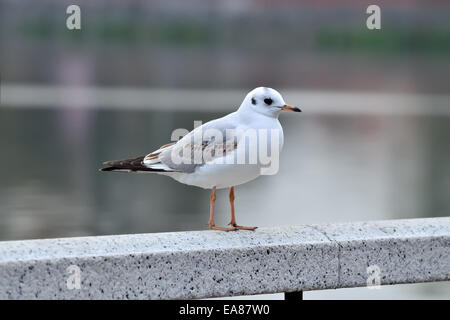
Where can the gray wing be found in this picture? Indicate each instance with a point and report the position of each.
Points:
(203, 144)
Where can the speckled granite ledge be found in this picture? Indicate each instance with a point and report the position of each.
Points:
(202, 264)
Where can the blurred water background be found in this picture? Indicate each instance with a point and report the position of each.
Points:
(372, 142)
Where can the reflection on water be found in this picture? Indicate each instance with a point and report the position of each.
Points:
(333, 168)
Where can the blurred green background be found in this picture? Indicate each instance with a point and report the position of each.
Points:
(372, 142)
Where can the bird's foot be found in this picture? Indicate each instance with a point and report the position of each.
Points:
(213, 227)
(242, 227)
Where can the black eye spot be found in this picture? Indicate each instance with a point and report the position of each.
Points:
(268, 101)
(253, 101)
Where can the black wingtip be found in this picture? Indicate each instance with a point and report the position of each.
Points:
(107, 169)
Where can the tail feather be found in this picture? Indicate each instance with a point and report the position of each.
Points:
(130, 165)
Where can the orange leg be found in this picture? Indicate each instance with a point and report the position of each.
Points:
(233, 218)
(212, 201)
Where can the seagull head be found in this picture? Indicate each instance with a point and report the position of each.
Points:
(266, 101)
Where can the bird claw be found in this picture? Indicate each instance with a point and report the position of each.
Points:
(242, 227)
(213, 227)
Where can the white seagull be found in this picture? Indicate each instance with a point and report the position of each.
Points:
(217, 167)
